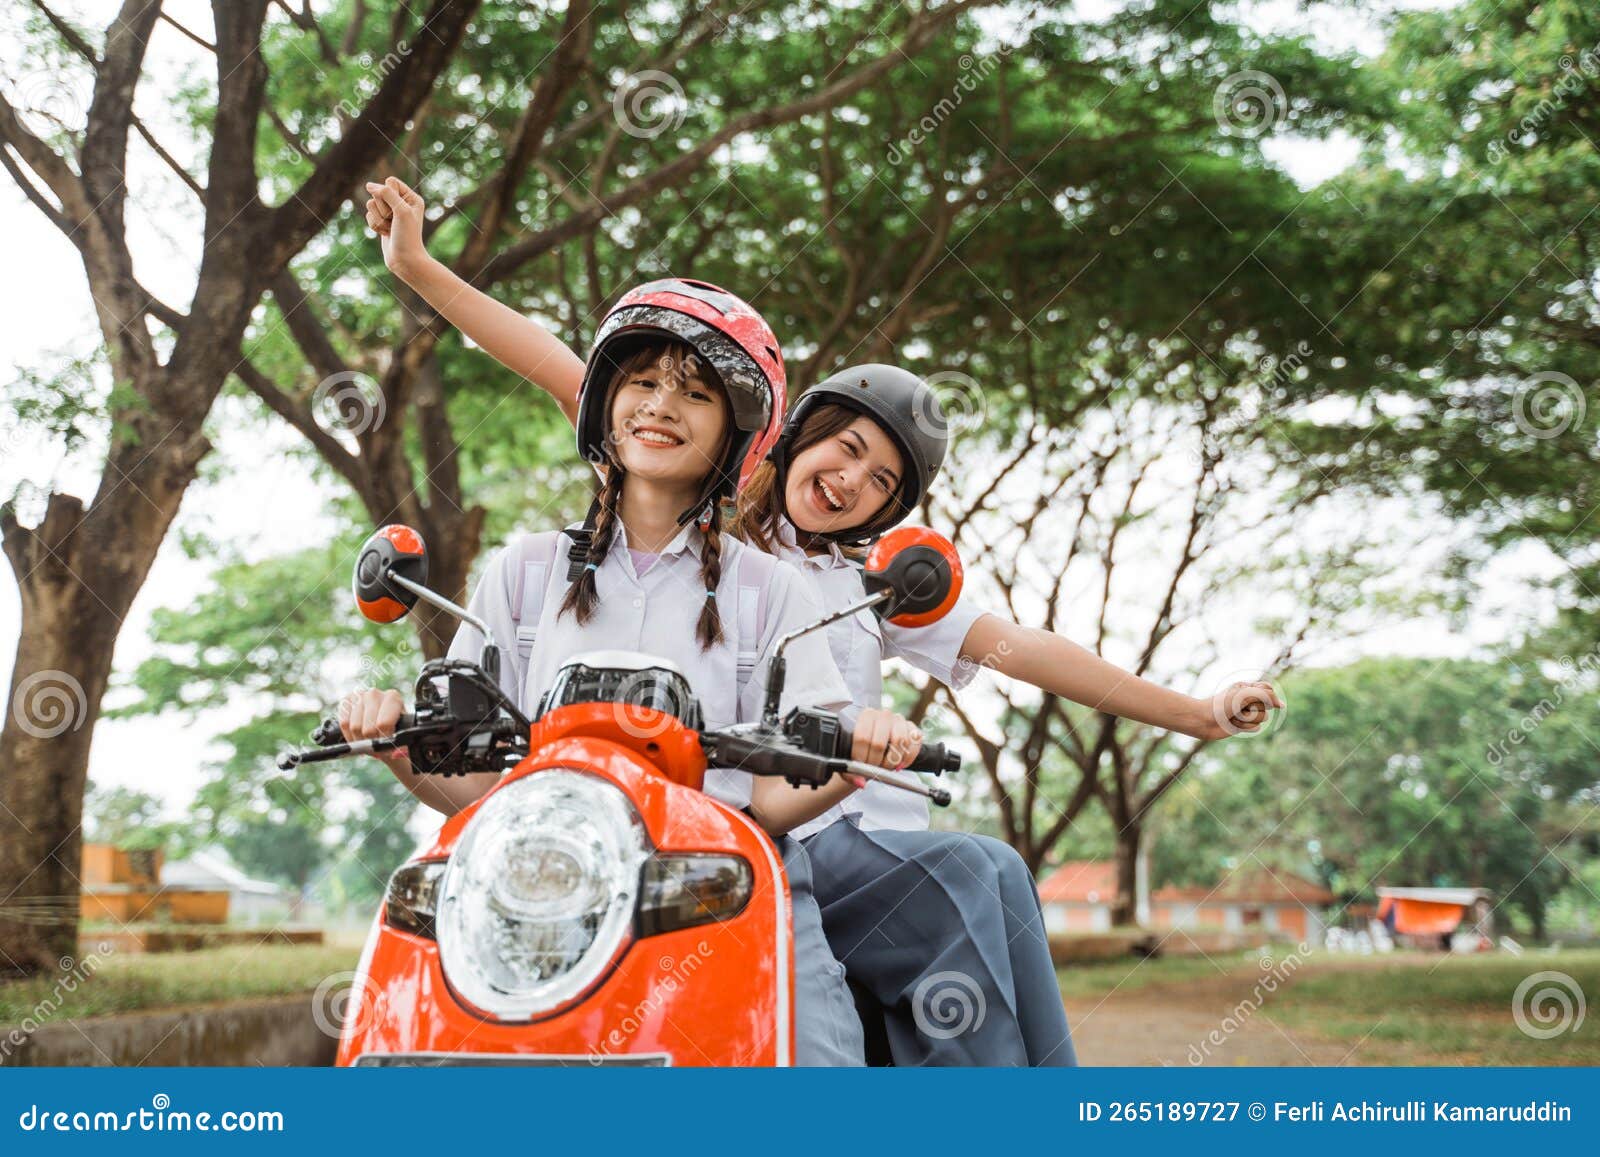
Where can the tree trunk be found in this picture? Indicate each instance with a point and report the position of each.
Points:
(1125, 909)
(78, 573)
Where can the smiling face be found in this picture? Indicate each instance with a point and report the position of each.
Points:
(669, 423)
(846, 478)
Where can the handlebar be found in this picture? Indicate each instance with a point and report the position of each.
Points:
(810, 749)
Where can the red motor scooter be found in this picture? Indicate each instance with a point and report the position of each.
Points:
(596, 906)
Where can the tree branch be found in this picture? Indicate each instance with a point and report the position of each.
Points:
(370, 135)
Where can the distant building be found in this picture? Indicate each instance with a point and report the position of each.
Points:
(1080, 895)
(1248, 901)
(125, 886)
(249, 901)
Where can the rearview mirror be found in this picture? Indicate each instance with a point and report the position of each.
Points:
(921, 570)
(395, 548)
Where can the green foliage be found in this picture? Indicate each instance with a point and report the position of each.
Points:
(1466, 331)
(1402, 772)
(128, 983)
(126, 818)
(279, 639)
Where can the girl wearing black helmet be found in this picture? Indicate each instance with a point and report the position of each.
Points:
(856, 456)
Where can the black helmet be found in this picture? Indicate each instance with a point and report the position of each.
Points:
(907, 409)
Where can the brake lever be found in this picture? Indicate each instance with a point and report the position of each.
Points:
(937, 796)
(402, 738)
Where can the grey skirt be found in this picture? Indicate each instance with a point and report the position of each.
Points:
(944, 931)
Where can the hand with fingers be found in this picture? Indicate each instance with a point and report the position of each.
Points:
(371, 714)
(1240, 708)
(395, 214)
(884, 739)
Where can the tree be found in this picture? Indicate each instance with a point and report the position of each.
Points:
(271, 639)
(1143, 535)
(80, 567)
(1412, 772)
(1473, 367)
(776, 175)
(127, 818)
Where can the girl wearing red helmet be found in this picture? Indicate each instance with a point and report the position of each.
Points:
(683, 385)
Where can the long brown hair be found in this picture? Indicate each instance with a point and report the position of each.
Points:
(760, 508)
(678, 360)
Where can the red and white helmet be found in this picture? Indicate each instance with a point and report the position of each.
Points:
(728, 335)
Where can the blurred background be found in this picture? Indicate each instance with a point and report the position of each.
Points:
(1271, 334)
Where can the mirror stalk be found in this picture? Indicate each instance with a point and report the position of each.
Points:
(775, 669)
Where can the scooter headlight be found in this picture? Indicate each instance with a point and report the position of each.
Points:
(540, 893)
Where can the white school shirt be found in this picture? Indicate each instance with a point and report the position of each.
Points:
(860, 643)
(656, 614)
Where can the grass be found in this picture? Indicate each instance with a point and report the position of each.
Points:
(128, 983)
(1416, 1008)
(1457, 1010)
(1090, 981)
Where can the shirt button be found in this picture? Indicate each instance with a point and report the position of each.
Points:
(637, 603)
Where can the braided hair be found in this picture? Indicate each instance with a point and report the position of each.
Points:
(709, 630)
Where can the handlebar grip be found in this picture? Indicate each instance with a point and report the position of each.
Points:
(936, 759)
(328, 732)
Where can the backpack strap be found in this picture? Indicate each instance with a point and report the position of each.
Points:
(756, 569)
(532, 566)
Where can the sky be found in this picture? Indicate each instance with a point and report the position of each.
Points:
(264, 495)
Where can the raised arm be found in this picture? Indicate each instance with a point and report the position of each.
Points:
(522, 345)
(1062, 667)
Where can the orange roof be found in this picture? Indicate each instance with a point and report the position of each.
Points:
(1083, 881)
(1256, 886)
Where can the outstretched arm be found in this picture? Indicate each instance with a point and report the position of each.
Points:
(519, 343)
(1061, 667)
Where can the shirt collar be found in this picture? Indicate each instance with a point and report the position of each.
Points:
(687, 539)
(832, 559)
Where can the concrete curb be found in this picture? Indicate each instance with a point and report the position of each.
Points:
(277, 1031)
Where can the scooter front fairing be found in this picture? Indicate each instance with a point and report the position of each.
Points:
(712, 988)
